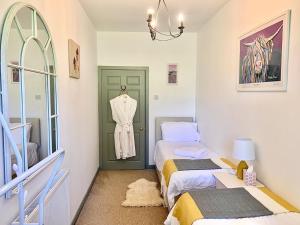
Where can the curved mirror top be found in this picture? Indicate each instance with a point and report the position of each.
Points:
(42, 32)
(24, 20)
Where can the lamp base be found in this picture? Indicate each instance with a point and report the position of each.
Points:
(240, 169)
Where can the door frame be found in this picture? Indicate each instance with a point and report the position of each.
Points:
(146, 69)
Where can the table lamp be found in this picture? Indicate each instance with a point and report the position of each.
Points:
(244, 149)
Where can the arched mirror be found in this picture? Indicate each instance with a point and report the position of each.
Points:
(28, 88)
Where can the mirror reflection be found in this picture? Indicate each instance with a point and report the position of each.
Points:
(36, 116)
(30, 102)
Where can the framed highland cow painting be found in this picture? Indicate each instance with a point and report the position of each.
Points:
(263, 56)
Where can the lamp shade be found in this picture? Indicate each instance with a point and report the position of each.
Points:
(244, 149)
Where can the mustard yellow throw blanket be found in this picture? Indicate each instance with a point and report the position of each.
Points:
(173, 165)
(229, 204)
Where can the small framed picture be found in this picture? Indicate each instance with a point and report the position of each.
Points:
(74, 59)
(15, 74)
(172, 73)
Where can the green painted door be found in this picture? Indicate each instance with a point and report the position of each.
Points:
(111, 80)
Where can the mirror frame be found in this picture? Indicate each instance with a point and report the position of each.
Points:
(5, 35)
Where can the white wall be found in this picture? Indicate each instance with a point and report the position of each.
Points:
(271, 119)
(137, 49)
(77, 99)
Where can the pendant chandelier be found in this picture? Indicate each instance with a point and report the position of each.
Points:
(153, 24)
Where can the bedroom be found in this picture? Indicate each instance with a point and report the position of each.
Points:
(207, 58)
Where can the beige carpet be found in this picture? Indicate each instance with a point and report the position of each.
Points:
(103, 206)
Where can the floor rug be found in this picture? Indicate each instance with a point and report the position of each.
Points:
(143, 193)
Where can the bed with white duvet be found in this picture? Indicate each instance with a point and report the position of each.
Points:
(181, 181)
(281, 212)
(281, 219)
(182, 143)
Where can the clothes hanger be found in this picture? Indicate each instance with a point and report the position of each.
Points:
(123, 90)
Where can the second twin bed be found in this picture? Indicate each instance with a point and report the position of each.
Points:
(186, 170)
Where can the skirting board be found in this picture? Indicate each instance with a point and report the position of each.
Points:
(84, 199)
(150, 167)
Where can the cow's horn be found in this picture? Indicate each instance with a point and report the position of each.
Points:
(271, 38)
(249, 44)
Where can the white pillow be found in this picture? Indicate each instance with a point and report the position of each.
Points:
(17, 133)
(179, 131)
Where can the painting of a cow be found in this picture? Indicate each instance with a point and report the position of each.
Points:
(256, 63)
(261, 55)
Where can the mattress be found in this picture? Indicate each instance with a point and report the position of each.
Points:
(32, 154)
(181, 181)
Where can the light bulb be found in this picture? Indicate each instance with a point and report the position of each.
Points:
(153, 23)
(180, 18)
(150, 11)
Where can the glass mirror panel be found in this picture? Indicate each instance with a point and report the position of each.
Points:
(24, 18)
(52, 95)
(13, 92)
(54, 134)
(42, 32)
(36, 116)
(37, 62)
(15, 43)
(50, 58)
(14, 117)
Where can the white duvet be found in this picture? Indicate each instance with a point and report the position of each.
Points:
(183, 180)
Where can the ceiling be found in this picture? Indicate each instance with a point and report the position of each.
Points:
(130, 15)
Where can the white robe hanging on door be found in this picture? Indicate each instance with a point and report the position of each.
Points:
(123, 109)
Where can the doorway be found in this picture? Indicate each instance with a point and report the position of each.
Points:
(111, 79)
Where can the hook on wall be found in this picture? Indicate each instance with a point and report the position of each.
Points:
(123, 89)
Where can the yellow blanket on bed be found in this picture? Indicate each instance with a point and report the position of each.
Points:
(170, 168)
(187, 212)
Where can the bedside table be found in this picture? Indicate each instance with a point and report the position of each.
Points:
(227, 180)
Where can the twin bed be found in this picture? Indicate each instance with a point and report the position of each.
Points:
(174, 183)
(184, 175)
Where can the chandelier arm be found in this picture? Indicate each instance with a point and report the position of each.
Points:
(157, 11)
(156, 39)
(169, 18)
(175, 35)
(155, 31)
(164, 34)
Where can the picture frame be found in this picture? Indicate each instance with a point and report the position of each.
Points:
(74, 59)
(15, 74)
(172, 73)
(263, 56)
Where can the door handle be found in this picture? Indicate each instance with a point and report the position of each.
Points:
(141, 129)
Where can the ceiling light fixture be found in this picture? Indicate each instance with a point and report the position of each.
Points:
(153, 24)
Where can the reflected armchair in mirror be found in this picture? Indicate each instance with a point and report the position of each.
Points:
(33, 144)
